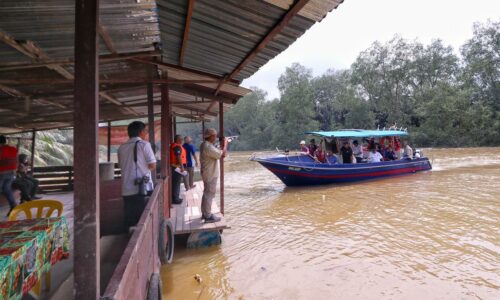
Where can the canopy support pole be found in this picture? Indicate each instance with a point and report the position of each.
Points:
(86, 153)
(221, 135)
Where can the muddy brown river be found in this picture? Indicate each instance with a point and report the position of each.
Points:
(431, 235)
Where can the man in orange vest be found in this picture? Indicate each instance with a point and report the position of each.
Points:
(178, 159)
(8, 167)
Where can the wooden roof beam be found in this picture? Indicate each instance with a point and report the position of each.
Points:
(299, 4)
(186, 32)
(17, 93)
(106, 38)
(163, 65)
(30, 81)
(102, 59)
(117, 102)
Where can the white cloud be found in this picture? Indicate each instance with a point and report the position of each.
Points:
(336, 41)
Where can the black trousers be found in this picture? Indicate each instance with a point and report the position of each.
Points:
(176, 185)
(27, 185)
(133, 207)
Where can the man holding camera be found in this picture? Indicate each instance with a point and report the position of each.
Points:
(209, 160)
(137, 160)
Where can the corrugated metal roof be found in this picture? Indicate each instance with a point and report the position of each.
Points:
(223, 33)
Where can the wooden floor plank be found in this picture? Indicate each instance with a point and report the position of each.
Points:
(188, 214)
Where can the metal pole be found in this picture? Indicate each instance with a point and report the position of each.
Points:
(86, 158)
(33, 143)
(109, 141)
(166, 137)
(221, 137)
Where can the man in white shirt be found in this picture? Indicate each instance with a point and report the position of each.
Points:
(374, 156)
(357, 151)
(137, 184)
(209, 169)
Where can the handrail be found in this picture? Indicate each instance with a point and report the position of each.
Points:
(128, 280)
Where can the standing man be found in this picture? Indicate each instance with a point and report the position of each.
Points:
(408, 151)
(8, 166)
(346, 152)
(209, 167)
(137, 160)
(191, 155)
(357, 150)
(177, 160)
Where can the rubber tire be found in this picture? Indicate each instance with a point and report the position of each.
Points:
(154, 289)
(166, 242)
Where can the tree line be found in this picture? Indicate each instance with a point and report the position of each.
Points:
(443, 99)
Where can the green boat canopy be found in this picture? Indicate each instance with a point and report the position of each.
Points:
(358, 133)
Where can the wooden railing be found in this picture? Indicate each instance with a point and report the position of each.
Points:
(54, 179)
(59, 178)
(140, 259)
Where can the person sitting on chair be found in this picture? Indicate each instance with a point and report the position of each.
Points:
(25, 181)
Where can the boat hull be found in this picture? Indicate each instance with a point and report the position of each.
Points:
(296, 173)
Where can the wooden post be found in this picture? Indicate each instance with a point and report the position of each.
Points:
(151, 124)
(166, 137)
(221, 137)
(86, 162)
(33, 144)
(109, 141)
(174, 125)
(151, 117)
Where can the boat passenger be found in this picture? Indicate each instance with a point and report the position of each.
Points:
(397, 147)
(357, 150)
(389, 153)
(346, 153)
(374, 156)
(320, 155)
(303, 148)
(408, 151)
(312, 147)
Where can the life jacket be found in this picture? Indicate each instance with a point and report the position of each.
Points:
(8, 158)
(173, 158)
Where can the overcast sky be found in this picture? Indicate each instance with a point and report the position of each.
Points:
(337, 40)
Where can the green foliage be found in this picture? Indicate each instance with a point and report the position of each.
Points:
(444, 100)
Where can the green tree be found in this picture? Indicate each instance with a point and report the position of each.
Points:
(295, 109)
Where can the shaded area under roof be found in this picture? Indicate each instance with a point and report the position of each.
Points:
(141, 43)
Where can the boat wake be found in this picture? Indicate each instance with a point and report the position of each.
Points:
(443, 164)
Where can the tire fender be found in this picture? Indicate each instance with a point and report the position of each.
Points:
(166, 242)
(154, 289)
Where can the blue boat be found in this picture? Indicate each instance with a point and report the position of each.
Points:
(297, 170)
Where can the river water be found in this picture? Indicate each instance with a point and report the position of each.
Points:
(432, 235)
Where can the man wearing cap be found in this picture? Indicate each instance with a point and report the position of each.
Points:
(209, 169)
(303, 148)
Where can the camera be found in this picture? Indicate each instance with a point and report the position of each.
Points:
(141, 182)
